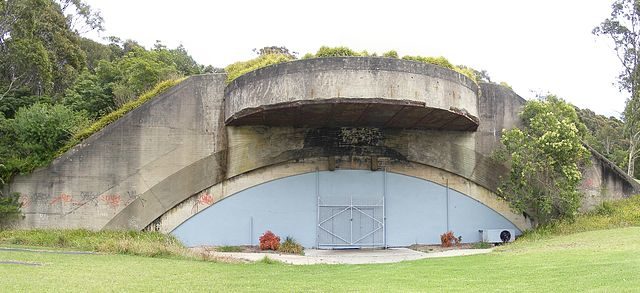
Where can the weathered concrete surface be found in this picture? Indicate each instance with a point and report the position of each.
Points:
(602, 181)
(96, 180)
(353, 91)
(499, 109)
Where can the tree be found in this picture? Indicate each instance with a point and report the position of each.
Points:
(623, 27)
(39, 53)
(545, 158)
(39, 131)
(90, 96)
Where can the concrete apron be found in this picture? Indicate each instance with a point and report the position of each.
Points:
(350, 256)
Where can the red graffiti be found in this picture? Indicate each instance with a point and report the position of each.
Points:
(62, 198)
(25, 201)
(588, 183)
(112, 200)
(205, 199)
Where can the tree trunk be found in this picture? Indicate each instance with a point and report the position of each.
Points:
(632, 158)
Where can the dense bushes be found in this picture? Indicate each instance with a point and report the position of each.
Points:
(30, 139)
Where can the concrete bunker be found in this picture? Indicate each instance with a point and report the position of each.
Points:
(204, 158)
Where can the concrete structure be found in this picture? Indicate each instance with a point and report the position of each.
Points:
(332, 151)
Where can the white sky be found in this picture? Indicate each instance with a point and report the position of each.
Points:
(535, 46)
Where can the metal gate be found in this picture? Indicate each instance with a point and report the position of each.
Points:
(351, 221)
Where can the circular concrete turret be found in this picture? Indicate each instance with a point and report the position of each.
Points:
(354, 91)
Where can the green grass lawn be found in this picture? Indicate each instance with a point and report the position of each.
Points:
(604, 260)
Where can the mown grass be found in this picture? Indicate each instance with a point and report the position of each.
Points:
(604, 260)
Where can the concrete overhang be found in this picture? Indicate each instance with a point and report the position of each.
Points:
(353, 91)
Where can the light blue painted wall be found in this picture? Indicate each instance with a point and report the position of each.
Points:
(416, 210)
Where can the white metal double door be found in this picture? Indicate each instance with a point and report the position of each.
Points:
(351, 221)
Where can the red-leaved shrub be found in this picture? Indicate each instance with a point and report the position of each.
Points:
(448, 239)
(269, 241)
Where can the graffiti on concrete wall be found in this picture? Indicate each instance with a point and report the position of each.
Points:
(67, 203)
(205, 199)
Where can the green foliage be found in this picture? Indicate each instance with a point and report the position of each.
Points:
(90, 96)
(545, 157)
(325, 51)
(608, 215)
(39, 53)
(31, 138)
(606, 135)
(444, 62)
(9, 207)
(153, 244)
(115, 115)
(390, 54)
(239, 68)
(623, 27)
(290, 245)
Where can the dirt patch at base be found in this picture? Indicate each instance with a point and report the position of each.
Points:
(438, 248)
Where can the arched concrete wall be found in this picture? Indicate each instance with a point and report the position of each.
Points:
(416, 210)
(211, 196)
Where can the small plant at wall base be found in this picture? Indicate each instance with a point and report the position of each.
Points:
(448, 239)
(545, 158)
(269, 241)
(290, 245)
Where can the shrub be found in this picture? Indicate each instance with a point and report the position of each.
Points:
(291, 246)
(390, 54)
(325, 51)
(448, 239)
(269, 241)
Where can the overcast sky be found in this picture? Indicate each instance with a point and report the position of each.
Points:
(535, 46)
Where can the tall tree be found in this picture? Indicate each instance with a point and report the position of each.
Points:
(545, 157)
(623, 27)
(40, 53)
